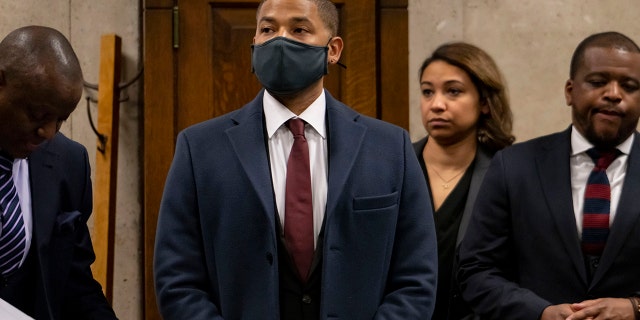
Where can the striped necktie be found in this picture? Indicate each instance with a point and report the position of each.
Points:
(13, 237)
(597, 203)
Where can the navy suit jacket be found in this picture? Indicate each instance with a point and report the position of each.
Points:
(61, 198)
(522, 249)
(216, 243)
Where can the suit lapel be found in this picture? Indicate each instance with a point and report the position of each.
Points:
(248, 140)
(45, 191)
(626, 216)
(555, 180)
(344, 140)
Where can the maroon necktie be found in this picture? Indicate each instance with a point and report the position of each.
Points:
(298, 220)
(597, 203)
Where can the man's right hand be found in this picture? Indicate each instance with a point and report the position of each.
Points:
(556, 312)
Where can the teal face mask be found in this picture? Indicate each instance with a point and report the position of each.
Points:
(284, 66)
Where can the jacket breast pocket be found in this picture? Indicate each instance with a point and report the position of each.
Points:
(373, 203)
(67, 222)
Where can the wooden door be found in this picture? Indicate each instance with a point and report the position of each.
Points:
(198, 66)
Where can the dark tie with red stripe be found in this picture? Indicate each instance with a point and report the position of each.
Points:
(597, 203)
(298, 220)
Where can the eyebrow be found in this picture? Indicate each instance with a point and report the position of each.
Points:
(293, 19)
(300, 19)
(448, 82)
(608, 74)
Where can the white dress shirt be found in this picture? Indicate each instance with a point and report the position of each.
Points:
(582, 165)
(280, 143)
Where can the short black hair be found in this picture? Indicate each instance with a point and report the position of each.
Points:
(609, 39)
(327, 11)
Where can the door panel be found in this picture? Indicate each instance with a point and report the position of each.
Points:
(234, 84)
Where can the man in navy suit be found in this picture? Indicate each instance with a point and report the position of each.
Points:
(527, 253)
(40, 85)
(222, 250)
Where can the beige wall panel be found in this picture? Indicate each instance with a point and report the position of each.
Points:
(89, 21)
(15, 14)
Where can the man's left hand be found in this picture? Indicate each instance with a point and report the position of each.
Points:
(603, 309)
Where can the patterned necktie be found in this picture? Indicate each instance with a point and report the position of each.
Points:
(298, 221)
(12, 240)
(597, 203)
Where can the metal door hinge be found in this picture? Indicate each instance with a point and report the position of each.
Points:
(176, 27)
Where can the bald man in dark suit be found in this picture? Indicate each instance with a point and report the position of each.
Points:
(45, 248)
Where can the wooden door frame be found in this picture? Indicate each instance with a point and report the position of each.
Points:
(158, 125)
(386, 67)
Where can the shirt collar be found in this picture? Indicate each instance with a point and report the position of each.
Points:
(276, 114)
(580, 144)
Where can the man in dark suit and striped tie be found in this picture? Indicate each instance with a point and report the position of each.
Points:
(45, 186)
(554, 235)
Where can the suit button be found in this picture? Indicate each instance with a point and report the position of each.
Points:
(270, 258)
(595, 263)
(306, 299)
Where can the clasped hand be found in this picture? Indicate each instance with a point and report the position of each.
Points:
(598, 309)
